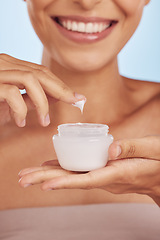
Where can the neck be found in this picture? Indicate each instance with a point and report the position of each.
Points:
(104, 89)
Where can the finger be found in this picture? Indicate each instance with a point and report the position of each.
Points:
(33, 169)
(37, 177)
(12, 96)
(94, 179)
(147, 147)
(51, 163)
(52, 85)
(33, 88)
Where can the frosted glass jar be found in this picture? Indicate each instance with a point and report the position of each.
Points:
(82, 146)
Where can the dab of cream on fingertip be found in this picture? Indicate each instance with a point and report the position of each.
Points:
(80, 104)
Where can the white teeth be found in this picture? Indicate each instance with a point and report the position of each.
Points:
(100, 27)
(81, 27)
(68, 25)
(84, 27)
(74, 26)
(64, 24)
(89, 28)
(95, 27)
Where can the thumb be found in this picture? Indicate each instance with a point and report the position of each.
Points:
(146, 147)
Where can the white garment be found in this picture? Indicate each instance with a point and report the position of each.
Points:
(87, 222)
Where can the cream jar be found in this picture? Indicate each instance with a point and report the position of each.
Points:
(82, 146)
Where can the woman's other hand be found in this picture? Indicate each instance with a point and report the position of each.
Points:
(41, 86)
(134, 167)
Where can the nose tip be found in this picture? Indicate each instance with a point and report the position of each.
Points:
(87, 4)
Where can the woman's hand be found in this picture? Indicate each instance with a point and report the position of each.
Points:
(134, 167)
(41, 85)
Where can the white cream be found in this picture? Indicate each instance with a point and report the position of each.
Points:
(82, 146)
(80, 105)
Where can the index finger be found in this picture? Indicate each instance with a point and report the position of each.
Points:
(51, 84)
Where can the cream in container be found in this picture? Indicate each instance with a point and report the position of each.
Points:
(82, 146)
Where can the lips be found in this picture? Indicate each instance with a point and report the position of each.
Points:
(84, 30)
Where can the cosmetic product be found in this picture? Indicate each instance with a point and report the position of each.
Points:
(80, 104)
(82, 146)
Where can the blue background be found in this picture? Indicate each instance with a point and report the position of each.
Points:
(140, 59)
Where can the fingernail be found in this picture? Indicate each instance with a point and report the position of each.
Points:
(45, 120)
(79, 97)
(47, 190)
(27, 171)
(118, 151)
(26, 185)
(22, 123)
(19, 174)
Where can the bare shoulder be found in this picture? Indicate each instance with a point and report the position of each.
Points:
(140, 85)
(150, 91)
(144, 91)
(150, 87)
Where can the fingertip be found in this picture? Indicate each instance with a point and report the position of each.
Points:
(21, 123)
(114, 151)
(20, 181)
(79, 97)
(45, 120)
(45, 188)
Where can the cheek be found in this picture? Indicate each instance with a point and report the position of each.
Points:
(129, 7)
(36, 11)
(39, 4)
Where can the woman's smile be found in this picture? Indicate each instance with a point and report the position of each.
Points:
(84, 29)
(81, 31)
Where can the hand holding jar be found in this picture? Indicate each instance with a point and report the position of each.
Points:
(133, 167)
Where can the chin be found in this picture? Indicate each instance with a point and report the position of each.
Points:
(82, 63)
(84, 66)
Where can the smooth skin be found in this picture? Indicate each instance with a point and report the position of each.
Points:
(129, 107)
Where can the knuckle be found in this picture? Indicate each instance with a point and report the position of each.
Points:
(130, 150)
(30, 76)
(20, 111)
(24, 111)
(42, 105)
(45, 104)
(63, 91)
(43, 174)
(44, 69)
(65, 88)
(3, 56)
(39, 74)
(12, 90)
(90, 181)
(38, 71)
(66, 182)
